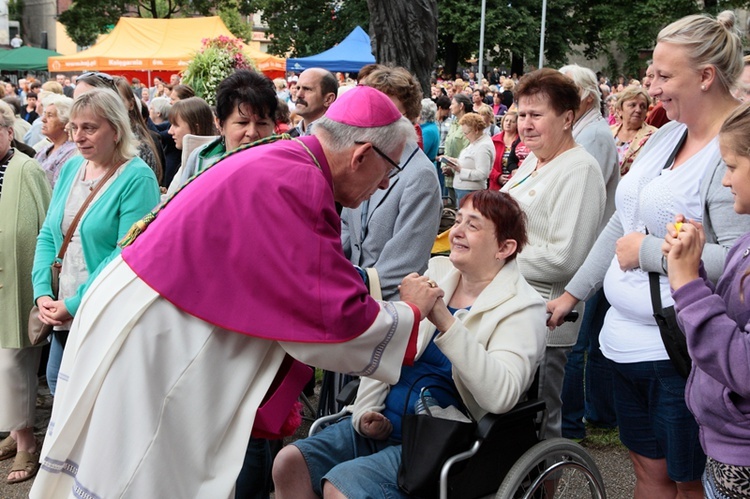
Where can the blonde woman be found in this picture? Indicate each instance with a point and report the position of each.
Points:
(472, 167)
(697, 60)
(491, 129)
(507, 94)
(100, 127)
(632, 132)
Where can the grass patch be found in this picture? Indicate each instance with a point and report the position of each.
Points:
(601, 438)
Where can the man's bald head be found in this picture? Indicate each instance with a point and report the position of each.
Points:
(316, 91)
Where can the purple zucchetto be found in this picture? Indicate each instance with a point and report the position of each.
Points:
(363, 107)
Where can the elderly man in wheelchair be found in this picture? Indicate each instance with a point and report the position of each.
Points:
(478, 351)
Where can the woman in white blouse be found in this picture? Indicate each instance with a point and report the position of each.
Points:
(472, 168)
(678, 173)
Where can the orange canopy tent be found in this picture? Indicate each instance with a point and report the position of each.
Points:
(156, 45)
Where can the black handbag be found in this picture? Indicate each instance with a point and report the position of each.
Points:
(427, 442)
(671, 335)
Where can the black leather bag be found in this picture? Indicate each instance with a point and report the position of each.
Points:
(427, 442)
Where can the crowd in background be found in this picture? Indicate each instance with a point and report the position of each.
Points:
(600, 178)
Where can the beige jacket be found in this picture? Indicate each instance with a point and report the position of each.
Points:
(495, 347)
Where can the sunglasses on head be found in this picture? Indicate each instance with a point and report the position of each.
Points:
(104, 77)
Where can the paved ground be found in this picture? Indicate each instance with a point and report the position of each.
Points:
(21, 490)
(614, 464)
(611, 458)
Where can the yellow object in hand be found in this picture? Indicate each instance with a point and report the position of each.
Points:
(677, 226)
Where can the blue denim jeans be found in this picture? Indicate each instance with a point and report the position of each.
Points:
(592, 399)
(654, 419)
(460, 194)
(56, 347)
(441, 179)
(357, 466)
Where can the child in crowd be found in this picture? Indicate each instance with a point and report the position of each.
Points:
(716, 322)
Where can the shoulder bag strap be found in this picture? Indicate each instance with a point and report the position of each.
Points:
(655, 289)
(653, 277)
(79, 215)
(677, 148)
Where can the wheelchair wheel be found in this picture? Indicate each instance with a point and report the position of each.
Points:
(556, 468)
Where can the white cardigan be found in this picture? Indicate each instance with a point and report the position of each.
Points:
(476, 161)
(494, 348)
(564, 203)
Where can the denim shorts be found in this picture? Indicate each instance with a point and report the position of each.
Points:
(357, 466)
(654, 419)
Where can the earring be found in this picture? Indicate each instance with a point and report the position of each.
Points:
(703, 87)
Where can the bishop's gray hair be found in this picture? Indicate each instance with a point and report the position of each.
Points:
(388, 139)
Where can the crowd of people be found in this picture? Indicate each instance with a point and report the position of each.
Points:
(567, 191)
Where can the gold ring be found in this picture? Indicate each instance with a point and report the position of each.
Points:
(432, 283)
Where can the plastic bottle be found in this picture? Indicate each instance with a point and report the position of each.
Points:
(424, 402)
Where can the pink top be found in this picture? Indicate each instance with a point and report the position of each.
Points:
(254, 246)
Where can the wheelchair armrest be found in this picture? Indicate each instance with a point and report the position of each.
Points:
(324, 421)
(347, 394)
(345, 397)
(523, 411)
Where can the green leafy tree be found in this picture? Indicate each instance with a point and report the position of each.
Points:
(15, 10)
(311, 26)
(511, 31)
(230, 13)
(87, 19)
(596, 26)
(631, 28)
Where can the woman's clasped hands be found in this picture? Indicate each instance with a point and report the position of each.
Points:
(428, 297)
(52, 312)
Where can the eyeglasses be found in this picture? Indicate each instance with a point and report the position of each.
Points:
(103, 77)
(396, 167)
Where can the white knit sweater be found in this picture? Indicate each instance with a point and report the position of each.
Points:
(564, 202)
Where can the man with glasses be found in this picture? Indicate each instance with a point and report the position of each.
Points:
(183, 345)
(393, 232)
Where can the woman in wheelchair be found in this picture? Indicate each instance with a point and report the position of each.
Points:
(478, 349)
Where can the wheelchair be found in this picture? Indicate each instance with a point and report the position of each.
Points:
(509, 458)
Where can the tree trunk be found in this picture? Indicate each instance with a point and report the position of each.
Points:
(451, 59)
(516, 65)
(405, 34)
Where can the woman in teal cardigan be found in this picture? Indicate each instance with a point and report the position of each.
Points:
(101, 130)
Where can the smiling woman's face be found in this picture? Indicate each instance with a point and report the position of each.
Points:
(677, 84)
(472, 239)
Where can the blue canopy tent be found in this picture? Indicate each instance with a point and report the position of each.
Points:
(349, 56)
